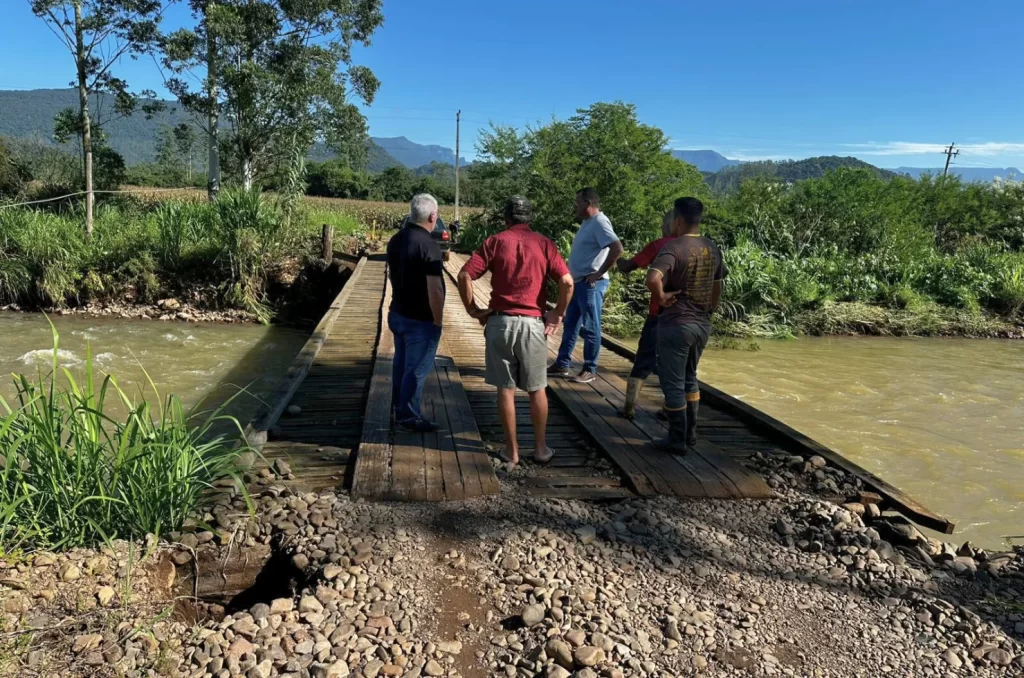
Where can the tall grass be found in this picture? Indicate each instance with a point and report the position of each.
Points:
(75, 474)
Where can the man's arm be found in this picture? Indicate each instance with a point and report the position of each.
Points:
(656, 284)
(472, 270)
(615, 250)
(626, 266)
(553, 318)
(435, 293)
(716, 295)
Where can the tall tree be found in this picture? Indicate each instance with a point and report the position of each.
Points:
(281, 72)
(98, 33)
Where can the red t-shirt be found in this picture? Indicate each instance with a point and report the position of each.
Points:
(519, 260)
(645, 258)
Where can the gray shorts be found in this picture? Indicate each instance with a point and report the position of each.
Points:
(516, 353)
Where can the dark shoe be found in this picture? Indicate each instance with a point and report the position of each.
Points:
(556, 371)
(661, 415)
(691, 422)
(675, 442)
(584, 377)
(633, 387)
(419, 425)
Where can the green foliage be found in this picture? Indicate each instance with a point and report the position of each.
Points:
(729, 179)
(281, 71)
(76, 474)
(12, 175)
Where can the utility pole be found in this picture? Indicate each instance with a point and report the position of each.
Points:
(213, 122)
(458, 117)
(951, 152)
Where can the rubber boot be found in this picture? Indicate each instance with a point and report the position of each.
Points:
(691, 422)
(675, 442)
(633, 386)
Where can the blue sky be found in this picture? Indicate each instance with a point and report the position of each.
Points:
(890, 82)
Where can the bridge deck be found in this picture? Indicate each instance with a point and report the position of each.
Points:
(707, 472)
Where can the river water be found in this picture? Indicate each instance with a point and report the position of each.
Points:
(201, 363)
(942, 419)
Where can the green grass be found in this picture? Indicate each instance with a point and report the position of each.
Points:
(74, 475)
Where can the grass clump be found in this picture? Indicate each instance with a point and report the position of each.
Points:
(74, 474)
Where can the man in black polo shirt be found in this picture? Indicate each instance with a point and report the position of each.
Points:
(417, 304)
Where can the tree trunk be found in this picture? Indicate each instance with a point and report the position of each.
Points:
(83, 108)
(248, 173)
(213, 140)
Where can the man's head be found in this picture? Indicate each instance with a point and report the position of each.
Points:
(518, 210)
(423, 211)
(686, 215)
(587, 203)
(667, 228)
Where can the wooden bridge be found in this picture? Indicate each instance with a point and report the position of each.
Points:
(342, 433)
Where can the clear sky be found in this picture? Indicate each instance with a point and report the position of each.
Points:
(890, 82)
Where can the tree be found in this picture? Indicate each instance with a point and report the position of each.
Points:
(98, 33)
(274, 68)
(603, 146)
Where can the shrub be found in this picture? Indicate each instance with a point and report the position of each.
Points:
(74, 475)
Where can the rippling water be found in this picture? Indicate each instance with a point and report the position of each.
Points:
(942, 419)
(198, 362)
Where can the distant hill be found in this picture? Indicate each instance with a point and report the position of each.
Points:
(730, 178)
(28, 114)
(970, 174)
(705, 161)
(414, 155)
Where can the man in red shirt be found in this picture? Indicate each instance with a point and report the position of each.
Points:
(647, 348)
(516, 324)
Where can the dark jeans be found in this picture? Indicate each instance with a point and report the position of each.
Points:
(646, 360)
(415, 348)
(679, 349)
(584, 310)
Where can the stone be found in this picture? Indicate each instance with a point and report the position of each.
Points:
(43, 560)
(372, 668)
(331, 571)
(261, 670)
(70, 572)
(260, 611)
(300, 561)
(588, 655)
(294, 410)
(586, 534)
(576, 637)
(309, 604)
(699, 662)
(282, 605)
(239, 646)
(432, 668)
(999, 657)
(338, 669)
(86, 643)
(510, 563)
(560, 652)
(533, 615)
(556, 671)
(951, 659)
(449, 646)
(282, 467)
(783, 527)
(104, 595)
(818, 462)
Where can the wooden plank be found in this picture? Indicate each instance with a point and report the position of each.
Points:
(583, 493)
(572, 481)
(801, 444)
(256, 430)
(477, 471)
(434, 444)
(372, 476)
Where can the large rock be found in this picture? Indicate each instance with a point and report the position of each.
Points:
(432, 668)
(310, 604)
(586, 534)
(588, 655)
(999, 657)
(559, 651)
(338, 669)
(533, 615)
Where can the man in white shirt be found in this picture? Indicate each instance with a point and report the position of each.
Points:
(595, 250)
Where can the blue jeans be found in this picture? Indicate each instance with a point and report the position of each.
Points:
(679, 351)
(584, 310)
(415, 348)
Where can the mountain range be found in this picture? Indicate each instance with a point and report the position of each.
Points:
(28, 114)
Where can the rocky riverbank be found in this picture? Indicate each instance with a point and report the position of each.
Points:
(518, 586)
(165, 309)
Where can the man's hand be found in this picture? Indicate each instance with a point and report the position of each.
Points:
(666, 299)
(481, 314)
(592, 279)
(552, 321)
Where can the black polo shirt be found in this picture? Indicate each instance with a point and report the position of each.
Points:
(412, 256)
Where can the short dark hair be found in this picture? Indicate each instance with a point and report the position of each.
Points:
(518, 210)
(589, 196)
(690, 210)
